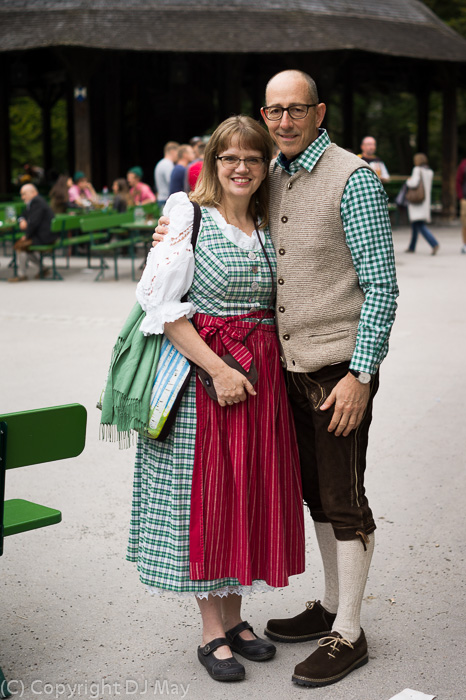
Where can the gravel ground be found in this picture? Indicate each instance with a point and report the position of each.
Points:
(77, 623)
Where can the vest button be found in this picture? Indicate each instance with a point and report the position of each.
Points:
(281, 308)
(290, 185)
(284, 219)
(281, 281)
(282, 251)
(286, 336)
(254, 269)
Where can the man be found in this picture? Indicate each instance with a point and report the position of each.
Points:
(368, 149)
(178, 176)
(336, 304)
(335, 307)
(163, 171)
(140, 193)
(36, 226)
(461, 194)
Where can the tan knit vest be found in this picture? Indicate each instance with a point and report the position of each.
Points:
(318, 294)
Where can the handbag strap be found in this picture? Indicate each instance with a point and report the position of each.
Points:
(195, 234)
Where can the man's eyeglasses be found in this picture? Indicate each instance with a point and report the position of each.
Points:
(232, 162)
(275, 113)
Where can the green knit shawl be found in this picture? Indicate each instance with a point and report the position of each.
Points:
(126, 399)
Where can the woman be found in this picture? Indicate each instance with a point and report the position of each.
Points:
(82, 194)
(217, 507)
(419, 214)
(59, 195)
(121, 191)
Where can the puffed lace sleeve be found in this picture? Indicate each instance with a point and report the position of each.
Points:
(169, 270)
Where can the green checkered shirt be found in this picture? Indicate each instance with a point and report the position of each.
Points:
(368, 232)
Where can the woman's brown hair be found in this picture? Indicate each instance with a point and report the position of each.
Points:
(243, 132)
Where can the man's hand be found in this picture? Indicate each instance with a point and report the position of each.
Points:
(350, 398)
(23, 224)
(161, 230)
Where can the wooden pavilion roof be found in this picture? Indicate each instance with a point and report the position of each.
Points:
(394, 27)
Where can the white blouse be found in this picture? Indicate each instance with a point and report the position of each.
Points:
(169, 270)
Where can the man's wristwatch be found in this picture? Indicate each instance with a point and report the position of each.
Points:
(363, 377)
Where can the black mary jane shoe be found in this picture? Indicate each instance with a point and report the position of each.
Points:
(253, 649)
(220, 669)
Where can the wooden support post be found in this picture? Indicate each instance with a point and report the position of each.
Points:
(347, 110)
(113, 120)
(82, 129)
(449, 147)
(47, 133)
(5, 162)
(423, 99)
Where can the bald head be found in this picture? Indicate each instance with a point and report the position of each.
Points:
(28, 192)
(290, 79)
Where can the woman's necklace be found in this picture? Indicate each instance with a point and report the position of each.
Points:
(237, 224)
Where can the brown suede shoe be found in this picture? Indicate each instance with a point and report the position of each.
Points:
(334, 658)
(313, 623)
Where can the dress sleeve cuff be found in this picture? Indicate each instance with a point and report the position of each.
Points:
(166, 312)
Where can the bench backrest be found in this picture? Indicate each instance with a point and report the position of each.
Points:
(41, 435)
(104, 222)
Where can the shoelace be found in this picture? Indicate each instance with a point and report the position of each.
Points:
(334, 642)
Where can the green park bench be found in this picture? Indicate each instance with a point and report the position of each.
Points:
(33, 437)
(111, 224)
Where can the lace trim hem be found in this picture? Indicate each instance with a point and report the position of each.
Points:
(257, 587)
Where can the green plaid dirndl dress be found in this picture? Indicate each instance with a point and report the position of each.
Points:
(228, 280)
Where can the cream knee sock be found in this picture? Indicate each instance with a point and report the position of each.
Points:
(328, 550)
(353, 566)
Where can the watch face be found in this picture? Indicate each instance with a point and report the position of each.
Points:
(364, 377)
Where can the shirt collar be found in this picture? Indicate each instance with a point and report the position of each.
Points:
(308, 158)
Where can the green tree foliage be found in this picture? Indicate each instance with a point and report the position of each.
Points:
(452, 12)
(26, 134)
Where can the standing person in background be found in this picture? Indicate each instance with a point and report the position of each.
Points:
(368, 149)
(140, 193)
(163, 171)
(81, 193)
(461, 194)
(121, 195)
(59, 195)
(419, 213)
(35, 225)
(194, 169)
(178, 176)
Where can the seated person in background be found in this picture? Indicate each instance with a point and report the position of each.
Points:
(368, 149)
(35, 223)
(82, 194)
(59, 195)
(163, 171)
(139, 192)
(194, 169)
(121, 192)
(178, 176)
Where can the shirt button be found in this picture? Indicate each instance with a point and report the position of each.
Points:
(282, 251)
(254, 286)
(286, 336)
(281, 309)
(281, 280)
(252, 256)
(284, 219)
(254, 269)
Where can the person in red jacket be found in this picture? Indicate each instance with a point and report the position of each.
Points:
(461, 194)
